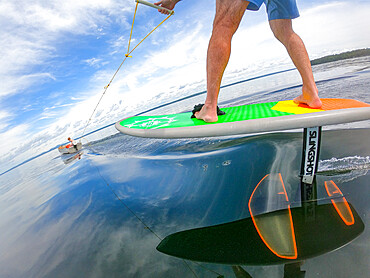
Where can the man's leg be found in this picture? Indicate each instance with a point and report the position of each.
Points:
(283, 31)
(227, 19)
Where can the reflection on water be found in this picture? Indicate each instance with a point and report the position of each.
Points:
(70, 158)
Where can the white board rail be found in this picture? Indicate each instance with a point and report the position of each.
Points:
(324, 118)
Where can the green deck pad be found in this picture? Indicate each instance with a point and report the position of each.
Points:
(233, 114)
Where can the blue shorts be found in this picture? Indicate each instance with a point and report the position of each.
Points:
(276, 9)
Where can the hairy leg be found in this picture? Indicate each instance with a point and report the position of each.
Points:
(227, 19)
(283, 31)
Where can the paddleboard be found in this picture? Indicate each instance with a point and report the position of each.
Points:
(247, 119)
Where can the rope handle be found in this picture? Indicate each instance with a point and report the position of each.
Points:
(154, 6)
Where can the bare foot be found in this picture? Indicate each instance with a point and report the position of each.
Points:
(310, 98)
(208, 114)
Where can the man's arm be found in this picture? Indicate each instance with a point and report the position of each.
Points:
(168, 4)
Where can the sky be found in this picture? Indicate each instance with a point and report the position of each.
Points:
(57, 56)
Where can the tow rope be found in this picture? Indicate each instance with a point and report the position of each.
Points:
(128, 54)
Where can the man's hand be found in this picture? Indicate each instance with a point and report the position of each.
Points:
(168, 4)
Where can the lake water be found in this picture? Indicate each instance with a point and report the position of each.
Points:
(103, 212)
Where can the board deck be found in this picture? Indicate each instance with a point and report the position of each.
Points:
(247, 119)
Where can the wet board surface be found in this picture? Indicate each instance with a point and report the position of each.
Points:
(247, 119)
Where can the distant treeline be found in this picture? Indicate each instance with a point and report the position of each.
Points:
(342, 56)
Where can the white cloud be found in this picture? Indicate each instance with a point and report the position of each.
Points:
(30, 31)
(55, 16)
(12, 139)
(4, 115)
(335, 27)
(93, 62)
(14, 84)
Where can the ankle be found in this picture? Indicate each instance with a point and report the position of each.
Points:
(210, 104)
(310, 90)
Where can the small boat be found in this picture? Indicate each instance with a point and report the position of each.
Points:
(70, 148)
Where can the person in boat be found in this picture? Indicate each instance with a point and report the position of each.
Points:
(71, 144)
(229, 14)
